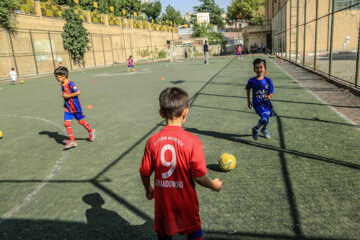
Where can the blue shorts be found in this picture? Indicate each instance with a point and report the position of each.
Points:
(261, 109)
(238, 54)
(131, 66)
(70, 116)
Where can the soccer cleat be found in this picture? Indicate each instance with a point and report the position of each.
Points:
(255, 133)
(92, 136)
(70, 144)
(266, 133)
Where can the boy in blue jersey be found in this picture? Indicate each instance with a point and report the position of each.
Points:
(263, 90)
(72, 106)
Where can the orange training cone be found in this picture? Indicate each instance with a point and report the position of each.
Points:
(267, 73)
(89, 106)
(93, 82)
(162, 78)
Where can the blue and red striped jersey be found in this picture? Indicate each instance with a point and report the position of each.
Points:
(71, 104)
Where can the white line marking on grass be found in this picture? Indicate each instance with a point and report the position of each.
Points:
(52, 173)
(120, 74)
(322, 101)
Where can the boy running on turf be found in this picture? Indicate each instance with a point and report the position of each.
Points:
(13, 76)
(177, 158)
(130, 63)
(72, 106)
(263, 90)
(238, 52)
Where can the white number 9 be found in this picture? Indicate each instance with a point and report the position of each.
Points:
(172, 163)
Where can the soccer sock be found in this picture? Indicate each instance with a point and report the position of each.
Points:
(196, 235)
(86, 125)
(69, 130)
(265, 120)
(259, 124)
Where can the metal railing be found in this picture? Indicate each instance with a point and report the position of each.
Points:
(321, 35)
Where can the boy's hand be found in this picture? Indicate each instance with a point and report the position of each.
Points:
(268, 97)
(64, 95)
(217, 184)
(150, 193)
(249, 104)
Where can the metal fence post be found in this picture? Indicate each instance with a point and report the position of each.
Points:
(124, 46)
(316, 32)
(357, 62)
(51, 48)
(112, 50)
(131, 45)
(32, 47)
(102, 42)
(304, 33)
(297, 30)
(290, 29)
(13, 53)
(152, 52)
(92, 46)
(331, 37)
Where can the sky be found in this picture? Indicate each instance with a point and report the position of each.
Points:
(187, 5)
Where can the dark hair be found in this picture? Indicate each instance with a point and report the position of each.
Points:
(258, 61)
(61, 71)
(173, 102)
(12, 69)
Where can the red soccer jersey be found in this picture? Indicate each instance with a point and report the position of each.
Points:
(177, 157)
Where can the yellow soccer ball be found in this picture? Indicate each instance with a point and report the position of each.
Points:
(1, 134)
(133, 70)
(227, 162)
(22, 81)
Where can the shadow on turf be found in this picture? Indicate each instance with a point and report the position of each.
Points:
(315, 119)
(279, 100)
(59, 138)
(101, 224)
(237, 138)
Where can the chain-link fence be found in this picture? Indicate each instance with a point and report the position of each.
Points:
(322, 35)
(36, 52)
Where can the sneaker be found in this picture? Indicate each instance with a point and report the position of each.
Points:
(92, 136)
(266, 133)
(70, 144)
(255, 133)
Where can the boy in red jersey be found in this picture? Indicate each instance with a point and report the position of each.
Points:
(72, 106)
(178, 159)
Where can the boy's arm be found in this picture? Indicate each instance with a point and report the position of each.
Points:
(147, 185)
(205, 181)
(248, 98)
(75, 94)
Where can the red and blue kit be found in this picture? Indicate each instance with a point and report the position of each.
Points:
(177, 157)
(72, 106)
(238, 51)
(130, 62)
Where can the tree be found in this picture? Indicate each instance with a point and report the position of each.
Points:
(213, 9)
(152, 10)
(249, 10)
(207, 30)
(172, 15)
(75, 36)
(7, 20)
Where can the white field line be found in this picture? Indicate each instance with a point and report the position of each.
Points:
(52, 173)
(319, 99)
(120, 74)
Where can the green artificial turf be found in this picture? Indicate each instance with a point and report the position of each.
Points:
(303, 183)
